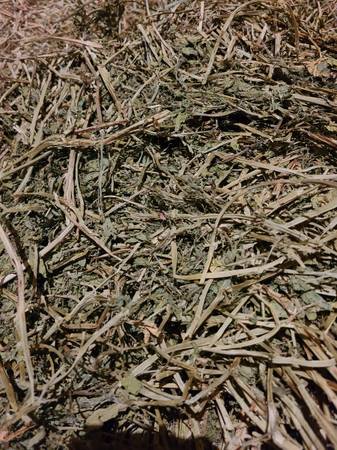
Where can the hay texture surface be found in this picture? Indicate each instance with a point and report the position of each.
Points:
(168, 231)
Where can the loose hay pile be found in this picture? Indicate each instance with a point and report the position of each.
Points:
(168, 223)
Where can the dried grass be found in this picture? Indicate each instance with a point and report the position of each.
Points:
(168, 224)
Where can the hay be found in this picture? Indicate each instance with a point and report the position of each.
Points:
(168, 224)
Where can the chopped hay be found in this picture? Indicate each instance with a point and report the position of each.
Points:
(168, 224)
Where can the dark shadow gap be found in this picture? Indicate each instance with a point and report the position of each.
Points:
(95, 440)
